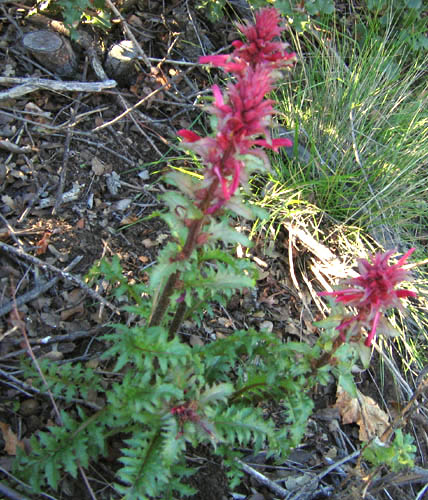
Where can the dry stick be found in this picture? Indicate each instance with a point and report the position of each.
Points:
(32, 202)
(99, 70)
(12, 232)
(106, 148)
(88, 486)
(67, 337)
(21, 325)
(68, 136)
(12, 21)
(13, 148)
(18, 138)
(11, 494)
(20, 352)
(131, 108)
(55, 128)
(281, 492)
(315, 481)
(131, 36)
(24, 485)
(65, 275)
(38, 290)
(34, 84)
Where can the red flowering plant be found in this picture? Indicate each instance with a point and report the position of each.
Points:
(370, 294)
(170, 397)
(240, 119)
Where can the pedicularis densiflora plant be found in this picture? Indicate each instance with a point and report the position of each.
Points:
(163, 396)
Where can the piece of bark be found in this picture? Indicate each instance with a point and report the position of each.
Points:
(52, 51)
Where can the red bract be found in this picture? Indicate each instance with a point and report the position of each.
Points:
(243, 113)
(260, 48)
(373, 292)
(242, 117)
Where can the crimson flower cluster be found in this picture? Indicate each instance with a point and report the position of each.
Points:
(372, 293)
(243, 114)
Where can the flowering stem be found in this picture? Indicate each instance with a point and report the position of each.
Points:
(190, 244)
(163, 302)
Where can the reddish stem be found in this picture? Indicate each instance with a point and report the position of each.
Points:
(327, 357)
(191, 242)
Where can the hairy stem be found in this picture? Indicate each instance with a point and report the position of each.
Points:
(178, 318)
(190, 244)
(163, 302)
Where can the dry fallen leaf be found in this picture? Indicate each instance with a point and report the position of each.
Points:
(363, 411)
(80, 224)
(98, 167)
(7, 200)
(78, 310)
(148, 243)
(10, 439)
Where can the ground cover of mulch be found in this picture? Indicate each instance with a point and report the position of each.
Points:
(78, 180)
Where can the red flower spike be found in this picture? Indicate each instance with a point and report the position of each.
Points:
(259, 47)
(243, 113)
(373, 292)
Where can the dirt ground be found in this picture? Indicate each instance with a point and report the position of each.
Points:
(79, 176)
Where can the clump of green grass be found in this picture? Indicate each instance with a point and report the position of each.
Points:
(360, 110)
(358, 106)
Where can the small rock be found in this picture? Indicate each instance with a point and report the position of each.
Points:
(113, 183)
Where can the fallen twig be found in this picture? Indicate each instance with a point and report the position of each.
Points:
(281, 492)
(101, 74)
(29, 85)
(65, 275)
(13, 148)
(24, 485)
(37, 291)
(68, 136)
(33, 200)
(129, 33)
(11, 494)
(142, 101)
(67, 337)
